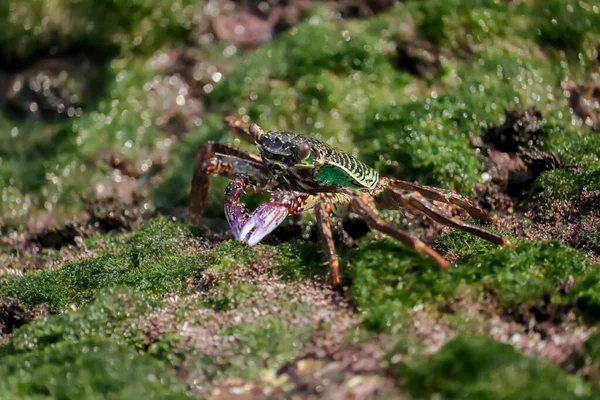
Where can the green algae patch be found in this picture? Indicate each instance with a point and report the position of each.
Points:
(576, 145)
(32, 27)
(568, 25)
(388, 278)
(524, 274)
(300, 259)
(228, 296)
(587, 360)
(564, 185)
(424, 141)
(259, 347)
(114, 315)
(316, 79)
(92, 368)
(229, 255)
(462, 246)
(174, 188)
(151, 260)
(586, 293)
(480, 368)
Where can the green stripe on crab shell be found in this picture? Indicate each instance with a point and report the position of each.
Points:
(344, 170)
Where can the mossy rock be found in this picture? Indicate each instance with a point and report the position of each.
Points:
(481, 368)
(388, 278)
(92, 368)
(32, 27)
(151, 261)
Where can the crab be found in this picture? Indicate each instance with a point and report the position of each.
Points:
(302, 174)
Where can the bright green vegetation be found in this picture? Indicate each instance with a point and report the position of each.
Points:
(388, 279)
(112, 316)
(480, 368)
(91, 352)
(575, 145)
(258, 347)
(151, 261)
(341, 81)
(32, 27)
(92, 368)
(587, 360)
(54, 169)
(300, 260)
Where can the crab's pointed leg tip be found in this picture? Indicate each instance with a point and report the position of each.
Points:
(508, 243)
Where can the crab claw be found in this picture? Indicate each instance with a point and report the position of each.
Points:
(263, 221)
(237, 216)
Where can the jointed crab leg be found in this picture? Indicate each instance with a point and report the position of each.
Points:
(249, 133)
(417, 201)
(365, 207)
(441, 195)
(324, 224)
(219, 159)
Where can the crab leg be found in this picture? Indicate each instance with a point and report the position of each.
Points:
(324, 224)
(417, 201)
(365, 207)
(443, 196)
(219, 159)
(248, 133)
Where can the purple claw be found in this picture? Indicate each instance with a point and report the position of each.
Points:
(237, 217)
(263, 221)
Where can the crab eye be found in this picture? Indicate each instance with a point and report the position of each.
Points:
(303, 151)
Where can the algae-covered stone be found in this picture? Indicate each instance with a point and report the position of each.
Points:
(587, 359)
(39, 26)
(92, 368)
(481, 368)
(114, 315)
(389, 279)
(152, 261)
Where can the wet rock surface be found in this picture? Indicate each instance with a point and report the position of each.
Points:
(104, 281)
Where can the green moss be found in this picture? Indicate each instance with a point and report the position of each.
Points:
(174, 189)
(389, 279)
(32, 27)
(425, 141)
(587, 359)
(229, 255)
(54, 170)
(228, 295)
(259, 346)
(480, 368)
(524, 274)
(586, 292)
(168, 348)
(460, 23)
(150, 261)
(576, 145)
(112, 316)
(462, 245)
(299, 259)
(565, 24)
(564, 185)
(93, 368)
